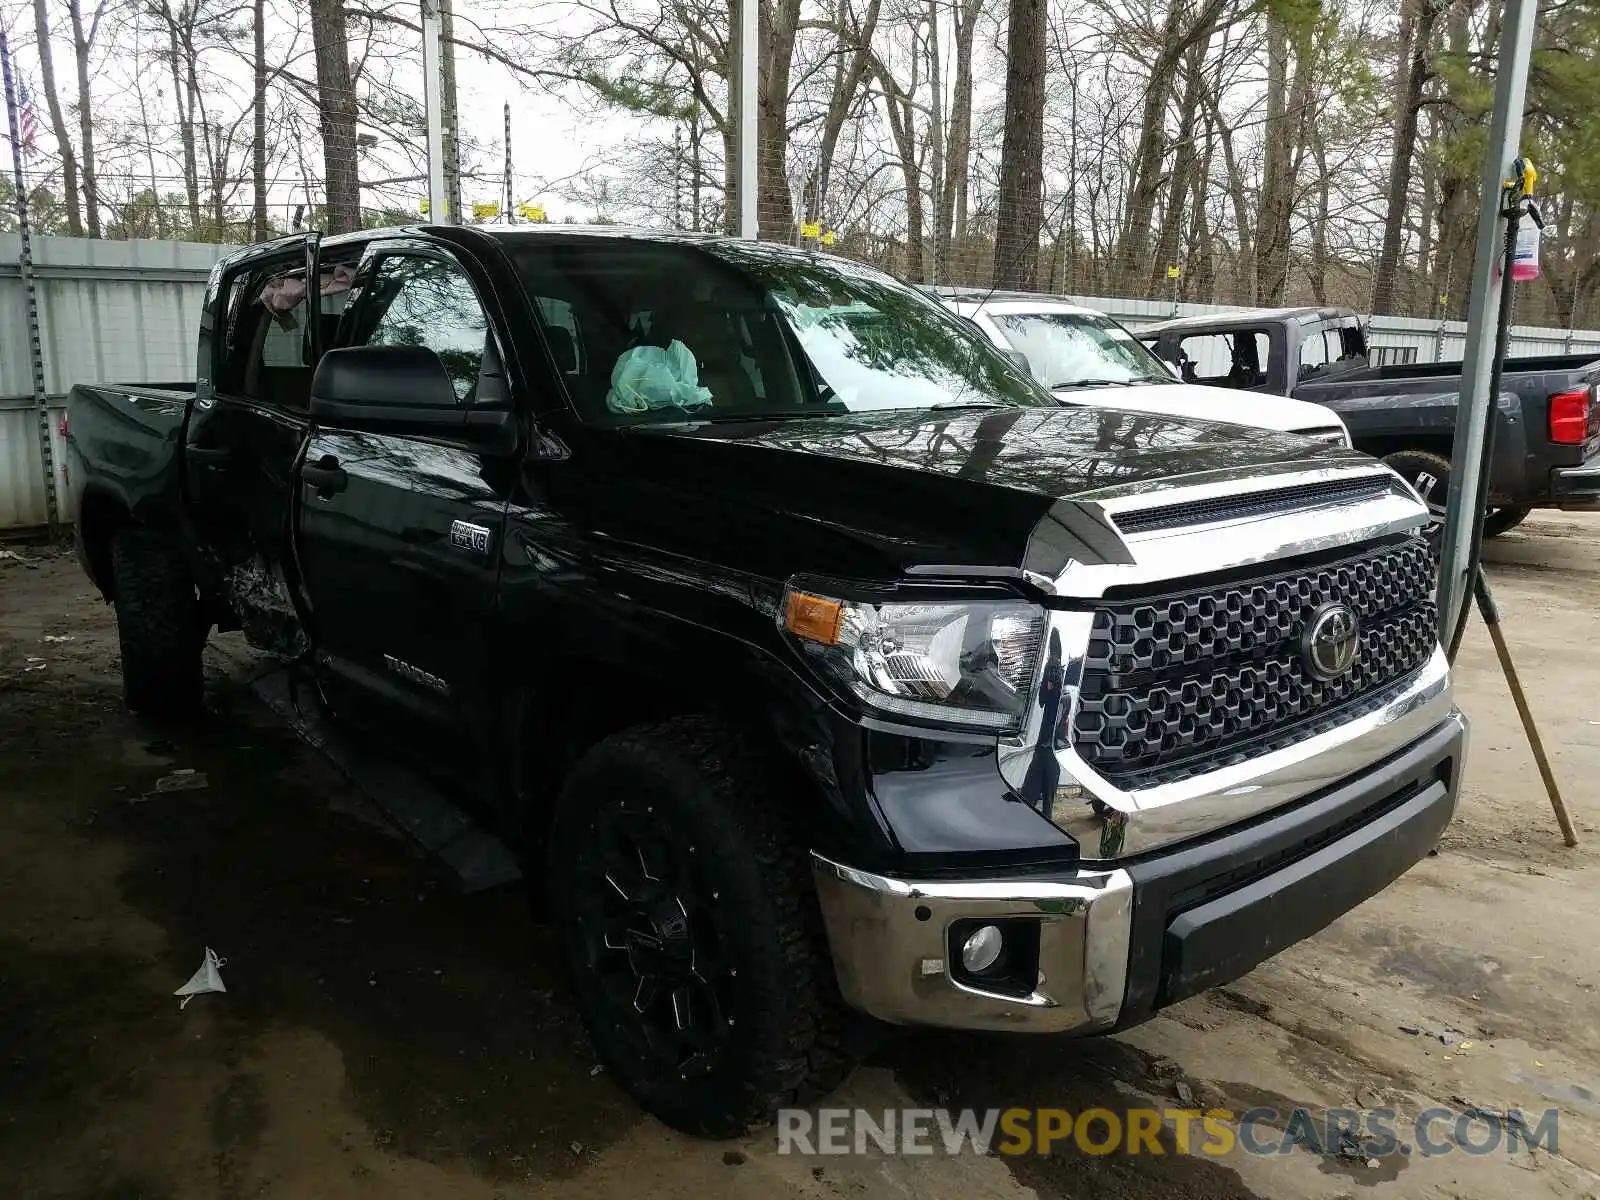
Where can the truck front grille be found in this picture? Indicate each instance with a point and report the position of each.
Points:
(1181, 684)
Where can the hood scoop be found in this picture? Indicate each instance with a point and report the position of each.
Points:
(1252, 504)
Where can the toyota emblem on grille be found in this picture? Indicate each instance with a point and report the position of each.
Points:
(1330, 641)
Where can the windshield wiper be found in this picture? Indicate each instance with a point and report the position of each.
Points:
(947, 405)
(1135, 382)
(787, 414)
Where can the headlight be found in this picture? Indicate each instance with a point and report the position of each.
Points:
(965, 663)
(1332, 437)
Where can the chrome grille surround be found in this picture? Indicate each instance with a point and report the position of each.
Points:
(1115, 813)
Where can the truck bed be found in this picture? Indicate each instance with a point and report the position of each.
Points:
(123, 446)
(1537, 375)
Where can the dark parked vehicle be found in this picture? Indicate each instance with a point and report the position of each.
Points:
(1547, 427)
(819, 663)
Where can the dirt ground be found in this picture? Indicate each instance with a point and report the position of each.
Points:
(384, 1037)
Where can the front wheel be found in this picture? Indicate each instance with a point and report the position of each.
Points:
(1429, 474)
(691, 930)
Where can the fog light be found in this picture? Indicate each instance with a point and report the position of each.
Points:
(982, 949)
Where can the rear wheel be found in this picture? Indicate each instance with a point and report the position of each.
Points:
(158, 623)
(691, 929)
(1504, 520)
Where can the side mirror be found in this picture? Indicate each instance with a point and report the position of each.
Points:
(381, 383)
(1020, 361)
(402, 387)
(1177, 371)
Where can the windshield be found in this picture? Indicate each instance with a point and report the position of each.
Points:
(645, 332)
(1080, 349)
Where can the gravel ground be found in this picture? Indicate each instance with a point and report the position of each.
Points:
(384, 1037)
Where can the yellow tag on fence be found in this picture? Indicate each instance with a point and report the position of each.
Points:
(810, 229)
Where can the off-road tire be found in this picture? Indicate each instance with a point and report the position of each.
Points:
(158, 623)
(1428, 473)
(1504, 520)
(783, 1041)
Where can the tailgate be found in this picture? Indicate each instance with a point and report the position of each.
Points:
(1590, 377)
(1592, 446)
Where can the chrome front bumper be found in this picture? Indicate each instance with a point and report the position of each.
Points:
(890, 937)
(1207, 912)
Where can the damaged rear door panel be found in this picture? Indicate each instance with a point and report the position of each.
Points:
(248, 430)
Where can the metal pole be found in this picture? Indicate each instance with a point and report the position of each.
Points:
(449, 113)
(747, 14)
(41, 407)
(511, 203)
(1476, 405)
(433, 116)
(1491, 621)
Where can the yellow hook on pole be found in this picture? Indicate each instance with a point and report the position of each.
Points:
(1525, 176)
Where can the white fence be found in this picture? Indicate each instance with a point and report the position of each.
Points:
(1431, 341)
(128, 312)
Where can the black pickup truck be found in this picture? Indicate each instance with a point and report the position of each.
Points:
(1547, 427)
(819, 663)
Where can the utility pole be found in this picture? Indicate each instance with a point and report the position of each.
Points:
(746, 55)
(510, 185)
(449, 113)
(432, 108)
(30, 297)
(1476, 403)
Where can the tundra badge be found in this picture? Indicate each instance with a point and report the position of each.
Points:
(416, 675)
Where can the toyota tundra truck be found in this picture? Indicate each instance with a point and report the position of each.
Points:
(824, 669)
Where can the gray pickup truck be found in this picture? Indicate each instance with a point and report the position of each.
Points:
(1547, 428)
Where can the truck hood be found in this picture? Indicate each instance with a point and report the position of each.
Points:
(869, 495)
(1209, 404)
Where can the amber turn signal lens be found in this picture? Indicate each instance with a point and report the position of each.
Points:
(815, 618)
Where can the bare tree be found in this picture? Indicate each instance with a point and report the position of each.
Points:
(337, 111)
(1417, 19)
(780, 23)
(58, 122)
(950, 213)
(82, 44)
(851, 60)
(1021, 212)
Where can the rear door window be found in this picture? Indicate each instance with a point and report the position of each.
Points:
(1314, 353)
(267, 351)
(1235, 359)
(1331, 345)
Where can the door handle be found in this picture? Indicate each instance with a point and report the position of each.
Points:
(210, 456)
(325, 475)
